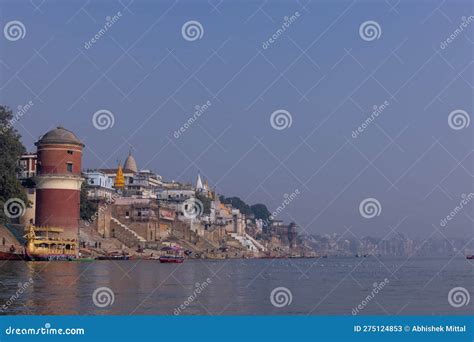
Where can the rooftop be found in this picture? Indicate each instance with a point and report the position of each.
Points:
(59, 135)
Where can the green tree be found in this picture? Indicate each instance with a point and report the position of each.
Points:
(206, 201)
(237, 203)
(88, 207)
(261, 212)
(11, 149)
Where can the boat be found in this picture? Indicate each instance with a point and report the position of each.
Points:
(83, 259)
(113, 256)
(470, 257)
(11, 255)
(171, 254)
(47, 244)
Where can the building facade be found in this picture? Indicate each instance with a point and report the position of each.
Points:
(58, 181)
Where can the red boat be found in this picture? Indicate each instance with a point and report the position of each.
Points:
(12, 255)
(171, 254)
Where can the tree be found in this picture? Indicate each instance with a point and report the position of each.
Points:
(206, 203)
(11, 149)
(88, 207)
(261, 212)
(237, 203)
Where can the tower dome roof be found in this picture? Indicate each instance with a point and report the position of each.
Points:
(59, 135)
(130, 163)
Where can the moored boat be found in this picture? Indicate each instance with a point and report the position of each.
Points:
(171, 254)
(470, 257)
(47, 244)
(11, 256)
(113, 257)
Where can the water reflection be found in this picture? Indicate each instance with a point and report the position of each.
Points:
(236, 287)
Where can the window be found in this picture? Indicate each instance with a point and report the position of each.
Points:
(69, 152)
(69, 167)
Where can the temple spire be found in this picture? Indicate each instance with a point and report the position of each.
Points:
(199, 185)
(119, 179)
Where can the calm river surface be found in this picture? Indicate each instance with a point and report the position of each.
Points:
(417, 286)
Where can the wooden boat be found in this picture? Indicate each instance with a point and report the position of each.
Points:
(113, 256)
(470, 257)
(47, 244)
(11, 255)
(171, 254)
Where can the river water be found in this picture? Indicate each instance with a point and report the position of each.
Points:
(417, 286)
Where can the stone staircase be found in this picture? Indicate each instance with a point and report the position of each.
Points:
(126, 235)
(256, 243)
(247, 244)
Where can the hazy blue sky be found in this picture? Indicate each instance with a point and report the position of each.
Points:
(319, 69)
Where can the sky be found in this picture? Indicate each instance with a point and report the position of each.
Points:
(281, 89)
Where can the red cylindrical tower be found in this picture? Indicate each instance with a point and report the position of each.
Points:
(58, 181)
